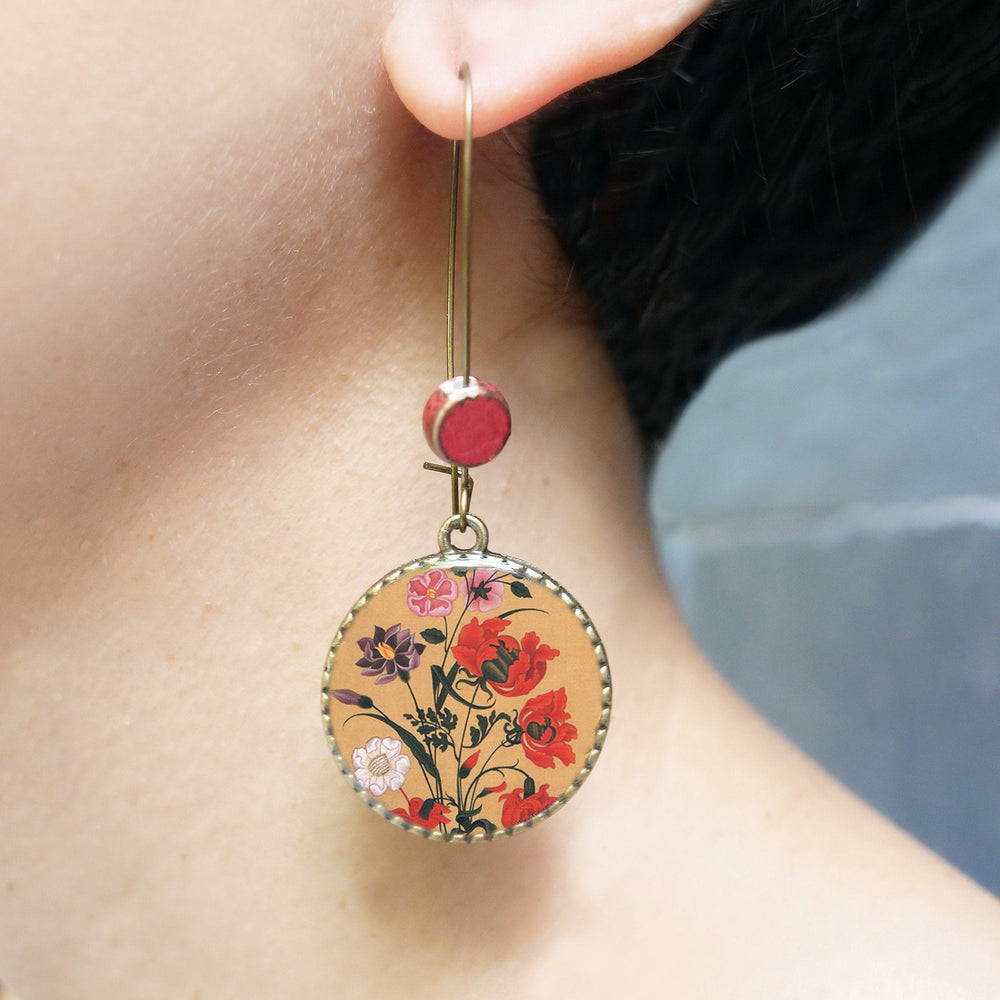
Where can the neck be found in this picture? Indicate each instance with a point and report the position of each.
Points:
(188, 602)
(274, 457)
(170, 593)
(239, 490)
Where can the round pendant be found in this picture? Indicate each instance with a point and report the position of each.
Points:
(466, 695)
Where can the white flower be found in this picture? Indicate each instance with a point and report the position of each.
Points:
(379, 766)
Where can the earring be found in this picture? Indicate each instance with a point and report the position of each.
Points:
(481, 696)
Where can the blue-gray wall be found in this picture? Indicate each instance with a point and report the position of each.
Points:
(829, 516)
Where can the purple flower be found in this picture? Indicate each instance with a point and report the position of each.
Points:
(390, 652)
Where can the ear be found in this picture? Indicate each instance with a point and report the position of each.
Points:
(522, 53)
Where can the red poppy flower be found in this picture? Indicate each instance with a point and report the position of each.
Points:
(485, 651)
(478, 644)
(527, 671)
(517, 810)
(545, 729)
(510, 667)
(426, 813)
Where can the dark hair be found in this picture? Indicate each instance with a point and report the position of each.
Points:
(761, 167)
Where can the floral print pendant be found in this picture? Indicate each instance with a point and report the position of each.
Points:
(466, 695)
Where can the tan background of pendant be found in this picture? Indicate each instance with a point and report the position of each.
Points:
(581, 668)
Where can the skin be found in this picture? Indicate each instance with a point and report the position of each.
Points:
(222, 314)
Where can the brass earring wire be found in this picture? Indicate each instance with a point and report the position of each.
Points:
(481, 697)
(467, 421)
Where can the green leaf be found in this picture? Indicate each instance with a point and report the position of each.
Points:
(529, 787)
(412, 744)
(483, 824)
(518, 589)
(446, 688)
(474, 738)
(433, 635)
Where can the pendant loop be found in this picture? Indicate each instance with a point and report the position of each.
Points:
(454, 523)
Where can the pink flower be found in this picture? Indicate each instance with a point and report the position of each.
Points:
(484, 593)
(431, 594)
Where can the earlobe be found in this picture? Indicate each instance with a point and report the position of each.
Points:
(522, 55)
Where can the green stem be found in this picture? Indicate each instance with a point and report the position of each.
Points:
(431, 750)
(459, 749)
(449, 640)
(468, 712)
(434, 683)
(414, 697)
(486, 767)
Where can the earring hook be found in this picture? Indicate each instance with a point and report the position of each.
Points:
(461, 181)
(461, 178)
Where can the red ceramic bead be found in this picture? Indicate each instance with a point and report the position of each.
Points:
(466, 424)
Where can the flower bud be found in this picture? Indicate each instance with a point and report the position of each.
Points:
(348, 697)
(470, 763)
(494, 670)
